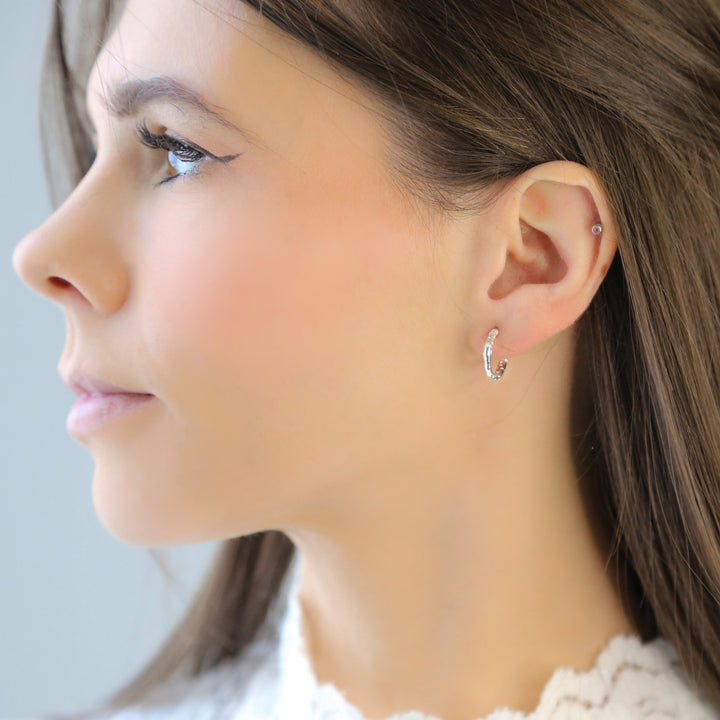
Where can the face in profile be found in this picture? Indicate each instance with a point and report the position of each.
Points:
(254, 267)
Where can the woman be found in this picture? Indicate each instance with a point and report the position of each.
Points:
(415, 306)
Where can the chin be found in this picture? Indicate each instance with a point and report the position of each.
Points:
(129, 516)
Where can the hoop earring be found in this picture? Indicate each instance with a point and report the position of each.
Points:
(488, 357)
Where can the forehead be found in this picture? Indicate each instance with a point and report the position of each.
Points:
(238, 61)
(185, 39)
(184, 32)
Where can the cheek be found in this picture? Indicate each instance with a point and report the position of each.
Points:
(273, 330)
(277, 289)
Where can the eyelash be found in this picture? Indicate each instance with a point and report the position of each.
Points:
(184, 151)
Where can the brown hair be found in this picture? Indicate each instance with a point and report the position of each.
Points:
(478, 92)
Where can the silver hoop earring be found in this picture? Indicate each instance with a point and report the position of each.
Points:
(488, 357)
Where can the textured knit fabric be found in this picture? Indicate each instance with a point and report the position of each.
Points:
(274, 681)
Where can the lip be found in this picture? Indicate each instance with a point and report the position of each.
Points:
(83, 383)
(99, 401)
(91, 411)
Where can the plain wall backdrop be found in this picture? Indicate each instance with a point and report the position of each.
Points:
(80, 611)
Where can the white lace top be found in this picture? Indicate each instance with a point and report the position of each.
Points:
(275, 681)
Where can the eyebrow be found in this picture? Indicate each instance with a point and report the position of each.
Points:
(128, 98)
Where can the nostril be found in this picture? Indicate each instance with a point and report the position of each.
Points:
(64, 289)
(59, 282)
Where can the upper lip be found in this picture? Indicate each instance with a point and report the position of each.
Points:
(83, 383)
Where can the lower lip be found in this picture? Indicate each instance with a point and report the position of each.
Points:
(91, 411)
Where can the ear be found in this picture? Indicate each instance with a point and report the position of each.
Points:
(548, 263)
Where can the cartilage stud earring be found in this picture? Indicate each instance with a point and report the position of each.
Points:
(597, 229)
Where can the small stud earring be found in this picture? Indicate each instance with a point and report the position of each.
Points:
(597, 229)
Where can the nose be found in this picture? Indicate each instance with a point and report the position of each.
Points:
(75, 256)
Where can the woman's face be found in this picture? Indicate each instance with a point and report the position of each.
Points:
(285, 304)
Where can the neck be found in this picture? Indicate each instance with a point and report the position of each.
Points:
(456, 586)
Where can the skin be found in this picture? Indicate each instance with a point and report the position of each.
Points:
(314, 341)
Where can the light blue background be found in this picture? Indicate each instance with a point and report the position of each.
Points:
(79, 610)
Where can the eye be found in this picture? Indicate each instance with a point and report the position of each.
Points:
(184, 158)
